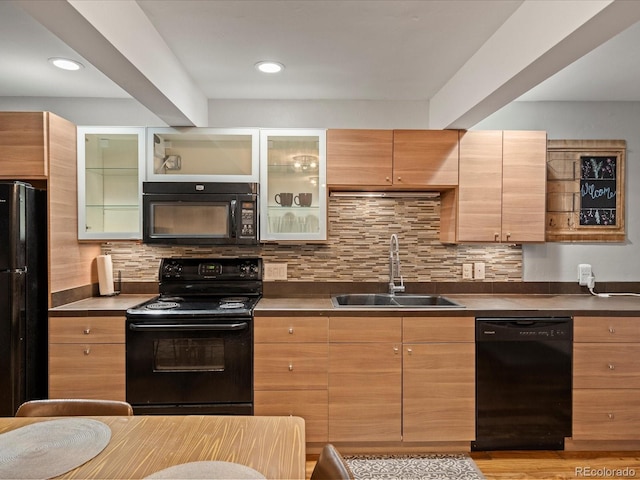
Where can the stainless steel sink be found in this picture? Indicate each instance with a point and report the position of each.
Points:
(383, 300)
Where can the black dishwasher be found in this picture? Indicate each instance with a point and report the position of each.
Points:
(523, 383)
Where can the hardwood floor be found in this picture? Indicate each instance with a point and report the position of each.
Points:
(548, 465)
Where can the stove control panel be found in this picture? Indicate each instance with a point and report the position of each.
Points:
(201, 269)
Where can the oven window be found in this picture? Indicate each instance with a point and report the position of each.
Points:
(188, 355)
(190, 219)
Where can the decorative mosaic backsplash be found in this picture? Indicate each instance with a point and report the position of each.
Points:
(357, 249)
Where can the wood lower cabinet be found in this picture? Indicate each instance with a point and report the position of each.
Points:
(87, 357)
(438, 393)
(606, 378)
(291, 370)
(365, 379)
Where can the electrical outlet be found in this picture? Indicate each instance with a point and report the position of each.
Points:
(584, 273)
(275, 271)
(467, 271)
(478, 270)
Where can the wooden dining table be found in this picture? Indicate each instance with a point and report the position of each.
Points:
(142, 445)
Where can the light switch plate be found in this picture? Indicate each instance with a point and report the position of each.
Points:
(275, 271)
(467, 271)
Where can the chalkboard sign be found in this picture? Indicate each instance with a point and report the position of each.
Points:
(598, 190)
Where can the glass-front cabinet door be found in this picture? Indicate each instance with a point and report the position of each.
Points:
(293, 191)
(203, 155)
(110, 174)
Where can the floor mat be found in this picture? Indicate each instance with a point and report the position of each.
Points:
(414, 467)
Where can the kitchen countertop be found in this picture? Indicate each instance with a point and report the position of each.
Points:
(116, 305)
(474, 305)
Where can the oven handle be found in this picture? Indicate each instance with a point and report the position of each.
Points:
(187, 327)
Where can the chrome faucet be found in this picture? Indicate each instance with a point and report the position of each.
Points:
(394, 266)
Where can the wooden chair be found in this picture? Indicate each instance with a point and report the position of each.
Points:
(74, 407)
(331, 466)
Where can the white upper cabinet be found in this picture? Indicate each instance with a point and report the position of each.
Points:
(293, 190)
(110, 173)
(202, 155)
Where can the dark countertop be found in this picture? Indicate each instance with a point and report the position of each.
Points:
(97, 306)
(474, 305)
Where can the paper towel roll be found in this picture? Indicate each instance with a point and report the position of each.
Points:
(105, 274)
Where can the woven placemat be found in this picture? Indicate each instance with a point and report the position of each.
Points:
(50, 448)
(199, 470)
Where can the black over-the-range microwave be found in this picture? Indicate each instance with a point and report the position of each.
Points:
(192, 213)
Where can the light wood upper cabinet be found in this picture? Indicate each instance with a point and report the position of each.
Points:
(359, 157)
(523, 186)
(24, 139)
(502, 188)
(425, 157)
(392, 158)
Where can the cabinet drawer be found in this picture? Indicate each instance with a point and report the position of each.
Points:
(290, 366)
(606, 329)
(603, 365)
(290, 329)
(438, 329)
(365, 329)
(606, 414)
(312, 405)
(87, 371)
(86, 329)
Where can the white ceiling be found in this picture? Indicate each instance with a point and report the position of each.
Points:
(332, 49)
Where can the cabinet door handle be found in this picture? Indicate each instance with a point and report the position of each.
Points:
(290, 330)
(612, 366)
(396, 350)
(409, 351)
(496, 237)
(611, 416)
(388, 179)
(87, 351)
(508, 236)
(399, 179)
(612, 330)
(291, 367)
(86, 331)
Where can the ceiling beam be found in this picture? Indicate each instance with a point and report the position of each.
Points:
(119, 40)
(537, 41)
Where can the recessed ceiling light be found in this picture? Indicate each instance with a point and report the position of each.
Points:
(66, 64)
(269, 67)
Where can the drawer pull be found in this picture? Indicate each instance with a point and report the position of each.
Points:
(87, 351)
(612, 330)
(612, 366)
(291, 367)
(396, 350)
(291, 330)
(611, 416)
(86, 331)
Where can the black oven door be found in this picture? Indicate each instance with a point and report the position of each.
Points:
(190, 366)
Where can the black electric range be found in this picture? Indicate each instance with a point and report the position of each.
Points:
(190, 350)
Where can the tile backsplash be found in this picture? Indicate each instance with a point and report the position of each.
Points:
(357, 248)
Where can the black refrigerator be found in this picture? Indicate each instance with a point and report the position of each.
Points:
(23, 295)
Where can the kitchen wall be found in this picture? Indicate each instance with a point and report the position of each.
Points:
(578, 120)
(583, 120)
(357, 250)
